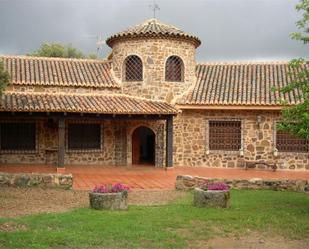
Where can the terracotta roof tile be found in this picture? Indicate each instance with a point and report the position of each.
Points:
(28, 70)
(240, 84)
(152, 28)
(83, 103)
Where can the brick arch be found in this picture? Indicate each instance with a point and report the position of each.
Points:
(158, 130)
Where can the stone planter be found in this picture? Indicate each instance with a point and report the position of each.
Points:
(211, 198)
(109, 201)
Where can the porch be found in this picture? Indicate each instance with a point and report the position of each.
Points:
(86, 177)
(83, 129)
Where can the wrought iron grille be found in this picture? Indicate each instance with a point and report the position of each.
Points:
(133, 68)
(17, 136)
(84, 136)
(288, 142)
(225, 135)
(174, 69)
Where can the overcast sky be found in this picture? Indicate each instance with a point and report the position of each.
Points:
(229, 29)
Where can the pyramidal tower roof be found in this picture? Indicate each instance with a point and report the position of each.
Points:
(152, 28)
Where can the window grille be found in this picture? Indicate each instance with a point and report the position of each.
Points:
(288, 142)
(225, 135)
(133, 68)
(174, 69)
(84, 136)
(17, 136)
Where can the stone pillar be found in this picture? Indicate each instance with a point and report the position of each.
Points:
(61, 143)
(120, 145)
(169, 142)
(159, 150)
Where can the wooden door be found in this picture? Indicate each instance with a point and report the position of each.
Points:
(135, 147)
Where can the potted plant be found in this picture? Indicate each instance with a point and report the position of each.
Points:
(212, 194)
(109, 197)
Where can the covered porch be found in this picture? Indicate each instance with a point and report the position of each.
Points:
(59, 130)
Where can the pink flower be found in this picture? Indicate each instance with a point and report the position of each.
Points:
(116, 188)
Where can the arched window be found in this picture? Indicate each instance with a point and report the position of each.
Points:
(174, 69)
(133, 68)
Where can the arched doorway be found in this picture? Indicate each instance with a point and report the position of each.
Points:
(143, 146)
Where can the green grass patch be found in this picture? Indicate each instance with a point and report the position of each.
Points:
(170, 226)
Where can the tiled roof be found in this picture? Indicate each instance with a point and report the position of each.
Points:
(82, 103)
(240, 84)
(152, 28)
(28, 70)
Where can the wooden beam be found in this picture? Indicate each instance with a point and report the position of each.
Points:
(169, 142)
(61, 142)
(94, 116)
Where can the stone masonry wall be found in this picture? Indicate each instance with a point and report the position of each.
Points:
(36, 180)
(116, 145)
(258, 141)
(154, 53)
(186, 182)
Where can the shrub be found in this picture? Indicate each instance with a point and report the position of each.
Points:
(116, 188)
(214, 186)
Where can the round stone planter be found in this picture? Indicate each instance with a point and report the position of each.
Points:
(211, 198)
(109, 201)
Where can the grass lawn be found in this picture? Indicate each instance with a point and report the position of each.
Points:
(174, 225)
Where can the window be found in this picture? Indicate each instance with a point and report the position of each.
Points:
(174, 69)
(84, 136)
(288, 142)
(17, 136)
(225, 135)
(133, 68)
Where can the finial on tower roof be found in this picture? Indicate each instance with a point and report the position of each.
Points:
(154, 7)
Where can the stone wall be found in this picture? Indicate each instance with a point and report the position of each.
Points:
(36, 180)
(154, 53)
(116, 145)
(258, 140)
(190, 182)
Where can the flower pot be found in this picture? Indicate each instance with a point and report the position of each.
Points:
(109, 201)
(211, 198)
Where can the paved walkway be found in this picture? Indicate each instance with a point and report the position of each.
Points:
(147, 177)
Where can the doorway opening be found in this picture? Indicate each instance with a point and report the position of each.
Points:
(143, 146)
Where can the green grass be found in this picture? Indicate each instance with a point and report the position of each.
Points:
(170, 226)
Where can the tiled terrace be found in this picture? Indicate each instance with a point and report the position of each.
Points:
(147, 177)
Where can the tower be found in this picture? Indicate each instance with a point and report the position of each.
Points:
(154, 60)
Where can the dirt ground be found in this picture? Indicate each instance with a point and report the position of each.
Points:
(23, 201)
(256, 241)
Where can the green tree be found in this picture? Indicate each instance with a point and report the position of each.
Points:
(295, 119)
(4, 77)
(58, 50)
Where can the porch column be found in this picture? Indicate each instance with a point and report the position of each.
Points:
(61, 145)
(169, 142)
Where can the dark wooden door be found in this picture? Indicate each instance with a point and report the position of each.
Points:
(135, 147)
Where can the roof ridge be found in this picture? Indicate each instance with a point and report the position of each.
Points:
(242, 62)
(54, 58)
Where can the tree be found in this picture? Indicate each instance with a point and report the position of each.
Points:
(296, 119)
(59, 50)
(4, 77)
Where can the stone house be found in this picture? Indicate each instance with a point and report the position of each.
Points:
(149, 102)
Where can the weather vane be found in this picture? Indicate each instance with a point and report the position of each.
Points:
(154, 7)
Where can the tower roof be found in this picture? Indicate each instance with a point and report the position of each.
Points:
(152, 28)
